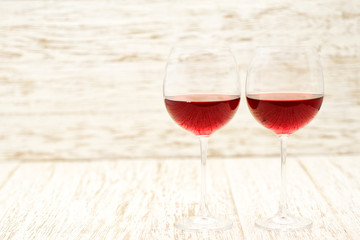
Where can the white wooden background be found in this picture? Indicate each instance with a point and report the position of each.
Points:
(83, 79)
(87, 148)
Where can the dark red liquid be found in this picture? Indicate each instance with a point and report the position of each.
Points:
(202, 114)
(284, 113)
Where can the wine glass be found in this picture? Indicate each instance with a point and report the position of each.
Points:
(284, 92)
(202, 93)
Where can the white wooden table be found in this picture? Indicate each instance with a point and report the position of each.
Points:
(141, 199)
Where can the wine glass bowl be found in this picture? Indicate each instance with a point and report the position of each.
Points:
(284, 92)
(284, 113)
(202, 93)
(202, 114)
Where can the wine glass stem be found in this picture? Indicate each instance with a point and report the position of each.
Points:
(283, 204)
(203, 210)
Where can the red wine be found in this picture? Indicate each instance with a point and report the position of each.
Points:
(284, 113)
(202, 114)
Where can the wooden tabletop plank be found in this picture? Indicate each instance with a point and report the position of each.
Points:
(255, 183)
(177, 196)
(338, 181)
(142, 199)
(110, 199)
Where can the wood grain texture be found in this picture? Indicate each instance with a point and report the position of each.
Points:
(85, 135)
(339, 183)
(256, 187)
(141, 199)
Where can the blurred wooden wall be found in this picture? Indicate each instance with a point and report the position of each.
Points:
(82, 80)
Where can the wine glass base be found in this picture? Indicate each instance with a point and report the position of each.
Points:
(200, 224)
(283, 223)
